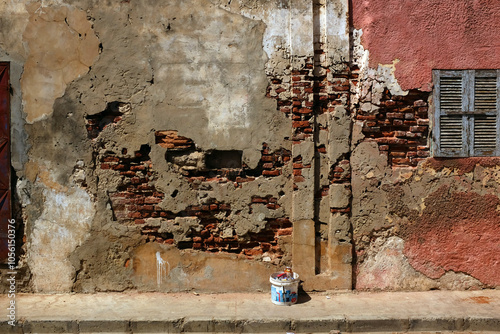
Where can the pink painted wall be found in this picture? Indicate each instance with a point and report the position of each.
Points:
(429, 34)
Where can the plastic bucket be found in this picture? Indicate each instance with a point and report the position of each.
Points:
(284, 292)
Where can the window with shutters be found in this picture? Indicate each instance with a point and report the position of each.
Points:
(466, 122)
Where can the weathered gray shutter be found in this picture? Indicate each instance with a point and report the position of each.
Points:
(450, 100)
(466, 113)
(485, 138)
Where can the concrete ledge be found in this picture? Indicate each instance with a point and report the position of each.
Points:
(320, 326)
(103, 326)
(48, 326)
(483, 324)
(434, 324)
(216, 326)
(156, 326)
(380, 325)
(348, 312)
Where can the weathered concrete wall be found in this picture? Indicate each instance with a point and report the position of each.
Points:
(418, 222)
(160, 143)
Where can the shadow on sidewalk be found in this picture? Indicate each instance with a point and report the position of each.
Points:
(303, 296)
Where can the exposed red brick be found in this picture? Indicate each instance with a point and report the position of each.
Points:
(268, 165)
(344, 210)
(305, 111)
(384, 147)
(284, 231)
(300, 124)
(308, 130)
(395, 115)
(366, 117)
(110, 159)
(271, 172)
(259, 200)
(253, 252)
(119, 167)
(401, 161)
(152, 200)
(418, 128)
(138, 167)
(267, 158)
(411, 154)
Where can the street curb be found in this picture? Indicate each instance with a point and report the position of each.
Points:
(213, 325)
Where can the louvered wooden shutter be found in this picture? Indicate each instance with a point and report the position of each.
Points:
(485, 139)
(450, 101)
(466, 118)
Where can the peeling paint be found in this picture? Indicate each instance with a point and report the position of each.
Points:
(161, 270)
(458, 231)
(63, 226)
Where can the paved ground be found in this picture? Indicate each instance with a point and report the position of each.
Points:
(386, 312)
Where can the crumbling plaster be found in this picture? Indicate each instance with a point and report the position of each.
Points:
(399, 227)
(174, 71)
(404, 234)
(202, 68)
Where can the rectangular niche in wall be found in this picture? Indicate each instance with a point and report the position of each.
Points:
(216, 159)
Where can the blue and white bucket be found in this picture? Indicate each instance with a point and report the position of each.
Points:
(284, 292)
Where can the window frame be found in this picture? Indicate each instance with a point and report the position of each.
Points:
(468, 112)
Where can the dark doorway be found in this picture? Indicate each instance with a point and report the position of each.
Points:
(5, 191)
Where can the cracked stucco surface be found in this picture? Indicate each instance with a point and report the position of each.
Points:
(188, 66)
(61, 46)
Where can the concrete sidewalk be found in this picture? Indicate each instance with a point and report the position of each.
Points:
(421, 312)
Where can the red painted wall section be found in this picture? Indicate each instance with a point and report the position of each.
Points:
(457, 231)
(429, 34)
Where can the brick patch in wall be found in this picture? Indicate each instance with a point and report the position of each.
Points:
(303, 95)
(340, 172)
(170, 139)
(218, 165)
(137, 202)
(400, 127)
